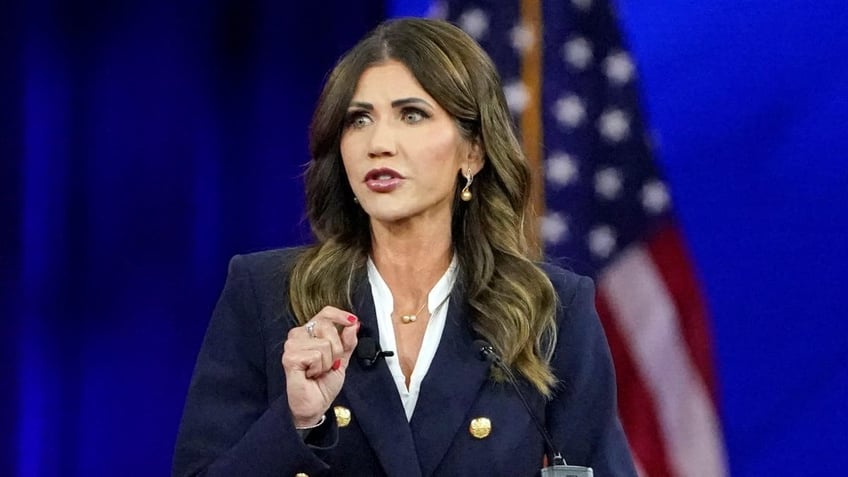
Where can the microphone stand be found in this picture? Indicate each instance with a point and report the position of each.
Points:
(559, 467)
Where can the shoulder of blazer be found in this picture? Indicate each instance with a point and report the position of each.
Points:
(268, 267)
(566, 283)
(266, 274)
(270, 262)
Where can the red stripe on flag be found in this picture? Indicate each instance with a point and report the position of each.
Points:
(635, 403)
(671, 258)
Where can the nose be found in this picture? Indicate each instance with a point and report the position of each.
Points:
(382, 141)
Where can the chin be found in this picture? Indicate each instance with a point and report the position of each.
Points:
(396, 209)
(382, 214)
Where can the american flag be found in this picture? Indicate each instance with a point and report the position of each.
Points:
(571, 86)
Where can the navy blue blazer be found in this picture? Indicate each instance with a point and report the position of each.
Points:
(236, 419)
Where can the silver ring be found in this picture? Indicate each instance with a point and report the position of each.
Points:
(310, 329)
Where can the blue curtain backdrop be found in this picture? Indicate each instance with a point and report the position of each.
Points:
(144, 143)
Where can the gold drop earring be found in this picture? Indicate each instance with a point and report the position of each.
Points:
(466, 191)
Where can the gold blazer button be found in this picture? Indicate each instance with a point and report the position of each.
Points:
(342, 416)
(480, 427)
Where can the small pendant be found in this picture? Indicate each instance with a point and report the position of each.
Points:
(406, 319)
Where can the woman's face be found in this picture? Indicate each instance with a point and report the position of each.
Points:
(400, 149)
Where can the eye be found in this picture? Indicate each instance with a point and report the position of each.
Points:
(413, 115)
(357, 119)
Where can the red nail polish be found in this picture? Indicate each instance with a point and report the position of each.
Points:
(351, 318)
(336, 364)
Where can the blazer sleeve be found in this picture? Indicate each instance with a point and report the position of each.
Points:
(229, 425)
(583, 414)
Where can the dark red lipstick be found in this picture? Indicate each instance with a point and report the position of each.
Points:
(383, 179)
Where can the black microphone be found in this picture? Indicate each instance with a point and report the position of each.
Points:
(368, 351)
(559, 467)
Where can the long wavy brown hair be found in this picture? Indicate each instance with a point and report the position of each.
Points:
(512, 300)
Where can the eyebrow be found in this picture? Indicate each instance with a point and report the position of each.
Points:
(395, 104)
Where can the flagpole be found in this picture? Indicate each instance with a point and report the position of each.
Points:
(530, 122)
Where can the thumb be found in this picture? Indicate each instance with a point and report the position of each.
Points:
(349, 342)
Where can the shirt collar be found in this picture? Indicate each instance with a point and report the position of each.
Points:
(438, 294)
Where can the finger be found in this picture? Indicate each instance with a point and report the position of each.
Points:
(307, 361)
(337, 316)
(349, 341)
(321, 345)
(325, 348)
(316, 368)
(327, 331)
(321, 329)
(298, 333)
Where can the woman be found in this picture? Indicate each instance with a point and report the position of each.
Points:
(416, 192)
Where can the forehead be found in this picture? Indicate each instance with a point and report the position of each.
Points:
(386, 81)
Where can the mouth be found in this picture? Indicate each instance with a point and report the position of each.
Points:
(383, 179)
(383, 174)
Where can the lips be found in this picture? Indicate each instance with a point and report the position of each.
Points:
(383, 179)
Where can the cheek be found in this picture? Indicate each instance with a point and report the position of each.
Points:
(443, 166)
(442, 150)
(346, 148)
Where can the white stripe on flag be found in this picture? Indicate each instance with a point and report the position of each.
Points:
(640, 472)
(647, 319)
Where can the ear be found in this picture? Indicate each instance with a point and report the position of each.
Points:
(475, 157)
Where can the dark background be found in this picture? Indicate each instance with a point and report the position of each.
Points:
(144, 143)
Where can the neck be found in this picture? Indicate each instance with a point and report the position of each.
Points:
(411, 260)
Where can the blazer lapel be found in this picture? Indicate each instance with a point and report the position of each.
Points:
(449, 388)
(375, 402)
